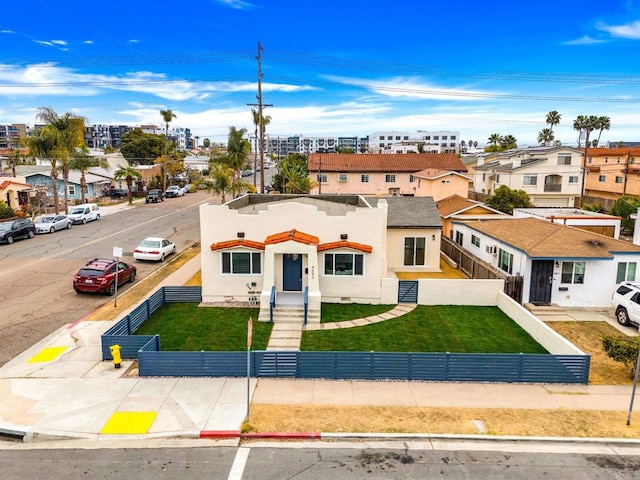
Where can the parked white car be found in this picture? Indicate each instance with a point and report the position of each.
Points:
(84, 213)
(52, 223)
(626, 300)
(154, 248)
(174, 191)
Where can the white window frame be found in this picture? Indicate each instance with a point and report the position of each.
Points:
(364, 178)
(414, 262)
(323, 178)
(531, 180)
(623, 268)
(573, 179)
(577, 277)
(343, 177)
(475, 240)
(564, 159)
(71, 189)
(505, 266)
(390, 178)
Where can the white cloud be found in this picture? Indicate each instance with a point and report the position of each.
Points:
(6, 31)
(400, 87)
(628, 30)
(44, 42)
(59, 42)
(88, 42)
(236, 4)
(134, 40)
(584, 40)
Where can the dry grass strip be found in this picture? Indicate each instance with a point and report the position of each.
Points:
(518, 422)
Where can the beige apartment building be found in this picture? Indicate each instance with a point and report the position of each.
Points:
(612, 172)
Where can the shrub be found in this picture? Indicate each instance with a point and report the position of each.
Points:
(5, 210)
(622, 349)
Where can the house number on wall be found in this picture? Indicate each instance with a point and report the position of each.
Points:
(313, 272)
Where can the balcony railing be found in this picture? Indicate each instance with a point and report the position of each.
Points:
(552, 187)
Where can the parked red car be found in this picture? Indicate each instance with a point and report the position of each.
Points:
(99, 276)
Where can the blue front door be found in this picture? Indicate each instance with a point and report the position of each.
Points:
(292, 272)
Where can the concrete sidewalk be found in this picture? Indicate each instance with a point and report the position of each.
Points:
(60, 388)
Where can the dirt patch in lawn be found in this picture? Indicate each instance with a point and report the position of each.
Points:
(587, 336)
(347, 419)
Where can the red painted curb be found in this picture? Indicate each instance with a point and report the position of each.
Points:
(75, 323)
(283, 435)
(219, 433)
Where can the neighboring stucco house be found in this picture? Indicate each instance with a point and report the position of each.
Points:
(612, 172)
(334, 248)
(441, 185)
(551, 176)
(15, 191)
(559, 264)
(458, 208)
(378, 174)
(595, 222)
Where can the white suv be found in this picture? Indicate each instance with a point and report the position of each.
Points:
(626, 300)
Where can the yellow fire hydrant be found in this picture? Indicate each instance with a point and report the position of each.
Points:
(115, 354)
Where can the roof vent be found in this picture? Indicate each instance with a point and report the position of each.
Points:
(595, 242)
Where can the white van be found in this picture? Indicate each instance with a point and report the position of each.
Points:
(84, 213)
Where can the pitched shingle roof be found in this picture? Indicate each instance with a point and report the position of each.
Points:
(542, 239)
(404, 162)
(410, 212)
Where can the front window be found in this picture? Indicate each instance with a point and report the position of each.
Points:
(505, 261)
(414, 251)
(390, 178)
(343, 177)
(364, 178)
(602, 178)
(241, 263)
(564, 159)
(573, 272)
(72, 189)
(412, 178)
(573, 179)
(322, 178)
(619, 179)
(475, 240)
(626, 271)
(459, 238)
(530, 180)
(348, 264)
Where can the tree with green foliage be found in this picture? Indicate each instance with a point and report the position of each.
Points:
(603, 123)
(140, 148)
(206, 143)
(505, 199)
(167, 117)
(128, 173)
(495, 139)
(294, 162)
(508, 142)
(545, 136)
(593, 207)
(624, 207)
(220, 181)
(237, 153)
(81, 161)
(623, 350)
(553, 119)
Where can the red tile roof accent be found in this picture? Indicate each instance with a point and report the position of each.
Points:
(345, 244)
(6, 184)
(239, 242)
(612, 152)
(387, 163)
(294, 235)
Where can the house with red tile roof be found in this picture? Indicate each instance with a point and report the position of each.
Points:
(560, 265)
(15, 191)
(412, 174)
(288, 249)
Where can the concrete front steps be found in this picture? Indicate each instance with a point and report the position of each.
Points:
(285, 336)
(289, 314)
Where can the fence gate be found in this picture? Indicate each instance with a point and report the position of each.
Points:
(408, 291)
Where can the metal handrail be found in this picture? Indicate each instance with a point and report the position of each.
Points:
(272, 303)
(306, 303)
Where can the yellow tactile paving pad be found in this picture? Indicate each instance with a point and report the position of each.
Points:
(48, 354)
(122, 423)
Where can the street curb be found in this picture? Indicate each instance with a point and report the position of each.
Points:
(220, 434)
(282, 435)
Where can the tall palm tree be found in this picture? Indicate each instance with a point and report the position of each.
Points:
(167, 117)
(221, 180)
(586, 123)
(553, 118)
(238, 149)
(128, 173)
(264, 121)
(255, 116)
(57, 140)
(546, 136)
(604, 123)
(508, 142)
(81, 161)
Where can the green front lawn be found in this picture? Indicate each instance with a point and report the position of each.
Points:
(441, 328)
(459, 329)
(189, 328)
(340, 312)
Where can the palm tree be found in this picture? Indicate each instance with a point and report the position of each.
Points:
(238, 149)
(604, 123)
(586, 123)
(508, 142)
(167, 117)
(81, 161)
(128, 173)
(495, 139)
(297, 178)
(545, 136)
(553, 118)
(266, 120)
(462, 145)
(255, 116)
(221, 180)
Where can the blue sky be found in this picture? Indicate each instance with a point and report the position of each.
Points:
(329, 68)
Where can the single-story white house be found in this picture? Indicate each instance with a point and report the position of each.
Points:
(575, 217)
(559, 264)
(330, 248)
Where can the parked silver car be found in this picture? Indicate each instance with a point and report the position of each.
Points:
(52, 223)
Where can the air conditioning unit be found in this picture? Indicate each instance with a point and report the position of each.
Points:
(492, 249)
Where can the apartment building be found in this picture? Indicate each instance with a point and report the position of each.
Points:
(431, 141)
(612, 172)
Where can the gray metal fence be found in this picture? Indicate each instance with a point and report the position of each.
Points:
(454, 367)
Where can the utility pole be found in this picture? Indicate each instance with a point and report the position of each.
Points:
(260, 106)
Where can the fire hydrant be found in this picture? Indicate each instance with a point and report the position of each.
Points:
(115, 354)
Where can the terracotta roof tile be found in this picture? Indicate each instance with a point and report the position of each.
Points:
(542, 239)
(405, 162)
(612, 152)
(294, 235)
(238, 242)
(6, 184)
(345, 244)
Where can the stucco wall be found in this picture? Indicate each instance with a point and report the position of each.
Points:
(395, 249)
(364, 225)
(442, 187)
(459, 291)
